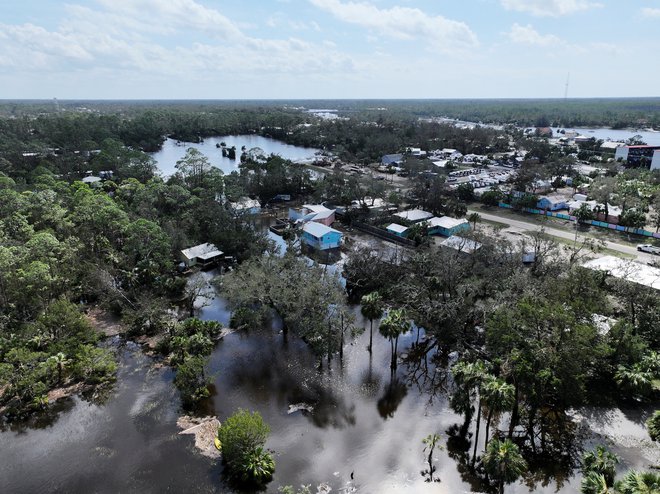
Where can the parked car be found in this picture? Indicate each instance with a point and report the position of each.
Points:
(651, 249)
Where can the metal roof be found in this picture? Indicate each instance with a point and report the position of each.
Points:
(318, 229)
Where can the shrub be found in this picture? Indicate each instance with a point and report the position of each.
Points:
(243, 436)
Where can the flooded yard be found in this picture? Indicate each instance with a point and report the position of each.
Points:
(355, 426)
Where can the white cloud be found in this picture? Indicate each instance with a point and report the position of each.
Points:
(179, 38)
(549, 8)
(529, 36)
(403, 23)
(651, 12)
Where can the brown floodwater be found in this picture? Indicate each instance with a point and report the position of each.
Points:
(362, 420)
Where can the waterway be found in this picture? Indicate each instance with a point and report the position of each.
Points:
(172, 151)
(619, 135)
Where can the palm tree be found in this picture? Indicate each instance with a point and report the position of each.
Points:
(372, 308)
(498, 397)
(594, 483)
(602, 462)
(60, 361)
(504, 462)
(467, 379)
(635, 482)
(430, 443)
(474, 218)
(653, 425)
(395, 324)
(634, 380)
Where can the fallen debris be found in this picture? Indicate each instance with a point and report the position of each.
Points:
(205, 430)
(297, 407)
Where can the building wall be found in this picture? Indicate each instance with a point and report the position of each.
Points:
(546, 204)
(655, 163)
(330, 240)
(327, 221)
(448, 232)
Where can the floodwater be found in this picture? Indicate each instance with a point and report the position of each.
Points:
(621, 135)
(363, 420)
(172, 151)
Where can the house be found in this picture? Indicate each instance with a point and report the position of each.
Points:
(447, 226)
(320, 236)
(313, 212)
(414, 215)
(576, 204)
(391, 159)
(632, 271)
(417, 152)
(374, 204)
(245, 205)
(451, 154)
(91, 180)
(461, 244)
(203, 255)
(540, 186)
(396, 229)
(552, 202)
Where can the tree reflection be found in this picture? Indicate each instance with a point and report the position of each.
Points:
(395, 392)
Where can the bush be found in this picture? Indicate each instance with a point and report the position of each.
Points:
(191, 380)
(243, 436)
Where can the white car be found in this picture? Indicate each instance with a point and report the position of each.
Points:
(651, 249)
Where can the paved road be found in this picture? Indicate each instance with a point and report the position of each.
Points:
(524, 226)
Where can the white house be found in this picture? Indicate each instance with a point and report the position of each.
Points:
(414, 215)
(202, 254)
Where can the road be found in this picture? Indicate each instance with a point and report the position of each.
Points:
(524, 226)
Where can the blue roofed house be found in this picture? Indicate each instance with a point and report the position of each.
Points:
(320, 236)
(392, 159)
(447, 226)
(552, 202)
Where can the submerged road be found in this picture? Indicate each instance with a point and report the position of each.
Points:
(524, 226)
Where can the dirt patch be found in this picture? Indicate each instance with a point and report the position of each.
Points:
(105, 322)
(205, 430)
(66, 391)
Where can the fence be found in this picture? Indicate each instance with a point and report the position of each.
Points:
(600, 224)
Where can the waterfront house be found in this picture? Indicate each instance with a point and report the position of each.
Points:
(202, 255)
(447, 226)
(414, 215)
(245, 205)
(320, 236)
(396, 229)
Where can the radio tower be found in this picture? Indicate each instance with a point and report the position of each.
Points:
(57, 105)
(566, 87)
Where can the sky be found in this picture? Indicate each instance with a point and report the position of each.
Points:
(326, 49)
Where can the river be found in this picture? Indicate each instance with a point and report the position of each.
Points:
(173, 150)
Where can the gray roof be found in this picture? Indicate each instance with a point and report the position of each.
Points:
(461, 244)
(395, 227)
(414, 215)
(202, 251)
(318, 229)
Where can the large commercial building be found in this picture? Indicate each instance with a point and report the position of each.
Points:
(639, 156)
